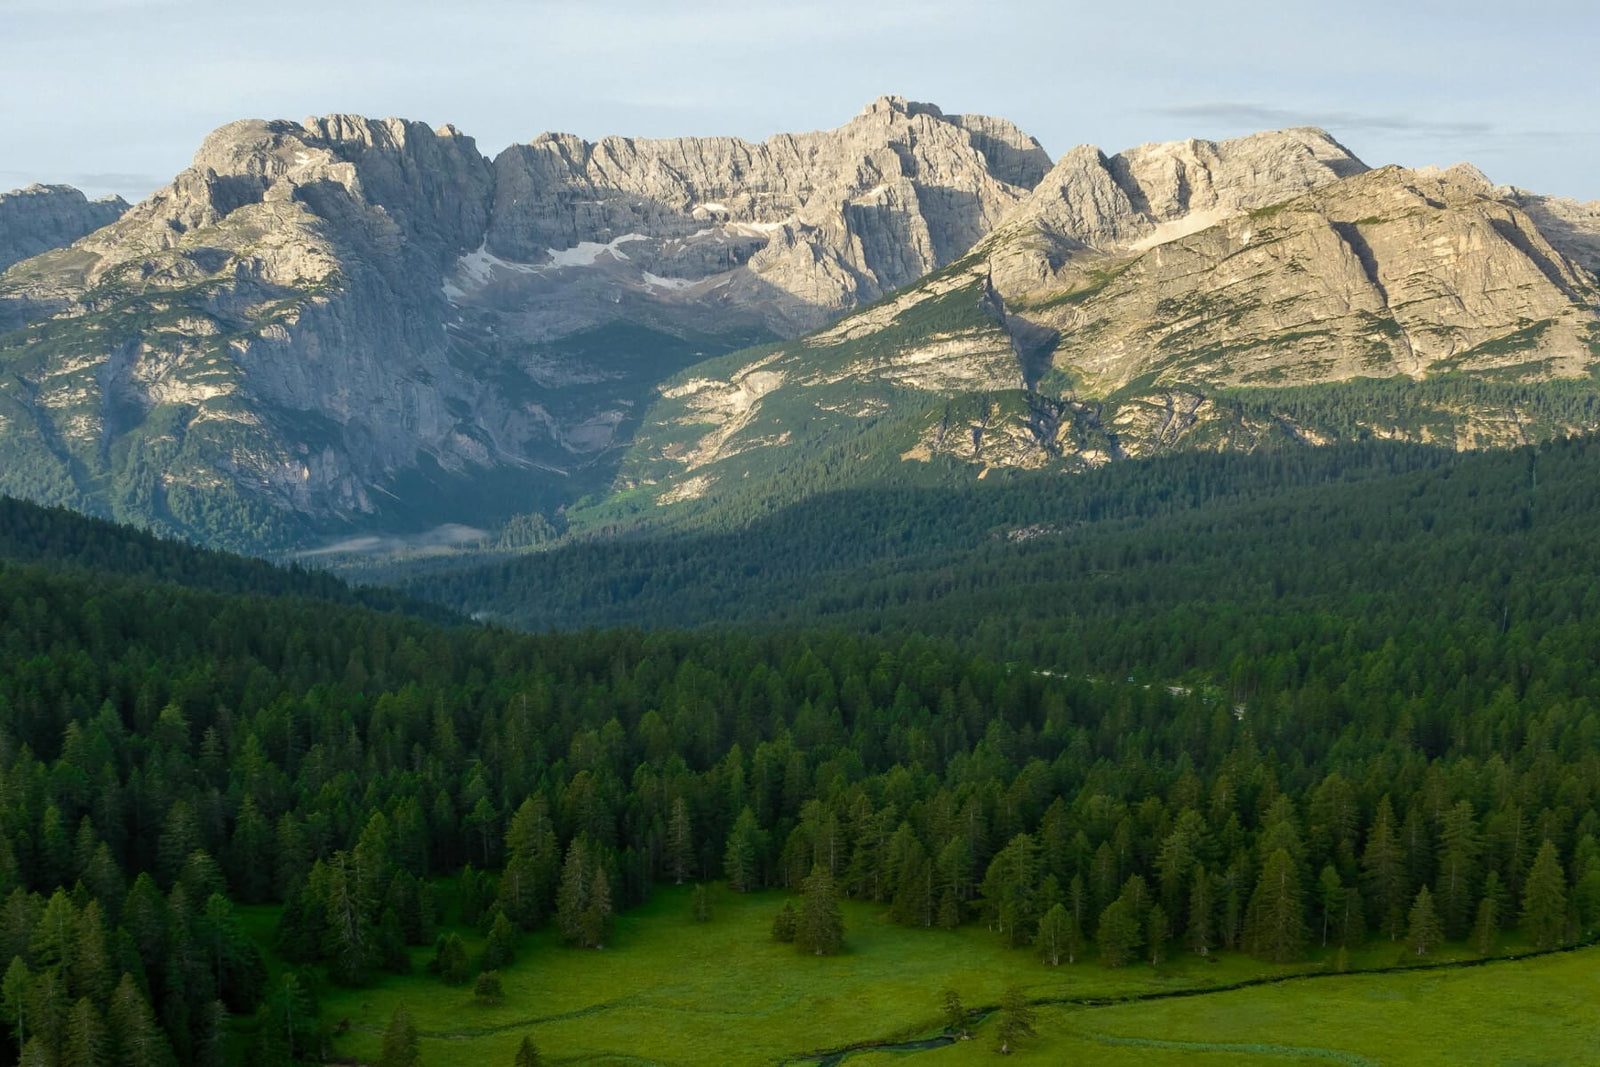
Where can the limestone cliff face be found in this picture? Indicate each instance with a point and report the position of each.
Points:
(1389, 272)
(787, 233)
(270, 324)
(345, 321)
(1155, 301)
(315, 312)
(42, 217)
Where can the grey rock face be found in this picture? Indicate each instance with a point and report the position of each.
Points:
(792, 231)
(328, 307)
(42, 217)
(1158, 192)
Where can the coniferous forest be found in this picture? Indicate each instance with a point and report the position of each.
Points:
(1255, 706)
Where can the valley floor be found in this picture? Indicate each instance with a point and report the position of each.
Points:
(667, 990)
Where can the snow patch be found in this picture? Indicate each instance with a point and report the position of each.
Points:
(479, 267)
(588, 253)
(1191, 223)
(656, 281)
(754, 229)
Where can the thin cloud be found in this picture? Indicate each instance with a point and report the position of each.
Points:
(1261, 115)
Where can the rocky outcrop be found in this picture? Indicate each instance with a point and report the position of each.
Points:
(787, 233)
(1156, 301)
(269, 328)
(42, 217)
(1388, 272)
(1159, 192)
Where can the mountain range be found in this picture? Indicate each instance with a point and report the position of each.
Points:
(349, 325)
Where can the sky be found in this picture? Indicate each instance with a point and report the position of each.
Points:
(116, 95)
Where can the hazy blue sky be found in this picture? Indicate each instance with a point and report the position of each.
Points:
(115, 95)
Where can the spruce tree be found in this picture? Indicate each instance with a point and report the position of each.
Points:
(86, 1041)
(136, 1039)
(488, 990)
(1544, 900)
(1384, 868)
(1117, 934)
(450, 961)
(819, 928)
(1016, 1021)
(500, 947)
(955, 1012)
(746, 845)
(530, 865)
(1200, 935)
(400, 1047)
(528, 1054)
(14, 998)
(785, 923)
(1486, 930)
(680, 842)
(1277, 928)
(1424, 931)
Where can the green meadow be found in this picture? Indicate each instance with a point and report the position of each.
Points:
(1540, 1011)
(668, 990)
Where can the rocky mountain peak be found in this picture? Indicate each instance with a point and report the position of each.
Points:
(317, 318)
(42, 217)
(1157, 191)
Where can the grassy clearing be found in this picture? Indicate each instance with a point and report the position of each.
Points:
(1538, 1011)
(669, 991)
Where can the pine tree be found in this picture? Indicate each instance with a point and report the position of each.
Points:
(680, 842)
(1384, 866)
(450, 961)
(746, 844)
(289, 1024)
(1117, 934)
(1016, 1021)
(1459, 846)
(955, 1012)
(528, 1054)
(819, 928)
(488, 989)
(500, 947)
(1486, 930)
(914, 903)
(1424, 932)
(1010, 889)
(400, 1047)
(136, 1039)
(1277, 925)
(573, 897)
(1544, 900)
(14, 998)
(530, 866)
(785, 923)
(86, 1044)
(1200, 934)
